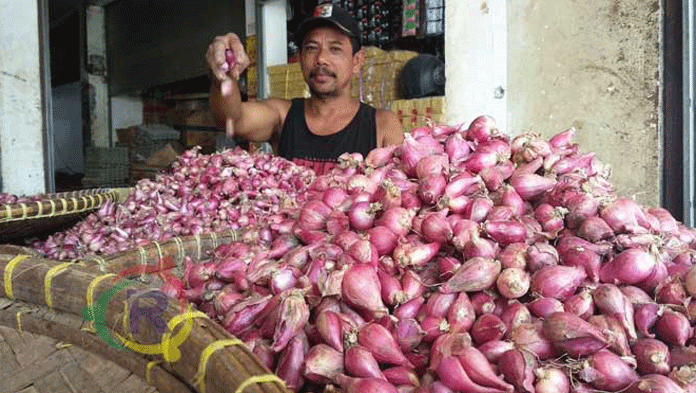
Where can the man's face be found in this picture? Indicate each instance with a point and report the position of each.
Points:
(327, 61)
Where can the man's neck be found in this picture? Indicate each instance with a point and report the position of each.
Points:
(323, 106)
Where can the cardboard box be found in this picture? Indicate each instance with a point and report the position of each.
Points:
(419, 112)
(252, 78)
(250, 47)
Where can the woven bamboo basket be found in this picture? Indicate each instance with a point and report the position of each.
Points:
(57, 211)
(85, 303)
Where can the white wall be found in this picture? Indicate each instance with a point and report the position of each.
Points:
(21, 106)
(476, 60)
(67, 128)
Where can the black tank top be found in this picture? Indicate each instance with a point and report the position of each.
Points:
(321, 152)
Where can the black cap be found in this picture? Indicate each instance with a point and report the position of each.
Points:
(329, 15)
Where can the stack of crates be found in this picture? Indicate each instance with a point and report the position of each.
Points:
(152, 138)
(106, 167)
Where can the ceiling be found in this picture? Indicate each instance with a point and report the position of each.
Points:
(59, 9)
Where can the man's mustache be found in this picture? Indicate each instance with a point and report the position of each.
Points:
(321, 71)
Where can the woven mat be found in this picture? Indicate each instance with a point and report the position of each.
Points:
(33, 363)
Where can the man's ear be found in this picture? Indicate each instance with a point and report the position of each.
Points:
(358, 61)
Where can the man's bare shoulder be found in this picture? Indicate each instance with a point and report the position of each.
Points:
(389, 128)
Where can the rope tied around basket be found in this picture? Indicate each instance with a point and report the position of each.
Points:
(19, 323)
(48, 279)
(258, 379)
(148, 370)
(170, 349)
(181, 254)
(169, 346)
(199, 378)
(9, 268)
(90, 300)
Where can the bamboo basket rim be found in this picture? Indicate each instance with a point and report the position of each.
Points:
(64, 203)
(56, 210)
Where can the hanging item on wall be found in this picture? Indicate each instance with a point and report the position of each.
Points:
(434, 17)
(409, 25)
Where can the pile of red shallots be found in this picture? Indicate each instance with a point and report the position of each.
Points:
(464, 261)
(8, 199)
(201, 193)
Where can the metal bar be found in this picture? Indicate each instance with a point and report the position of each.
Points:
(689, 153)
(262, 92)
(47, 97)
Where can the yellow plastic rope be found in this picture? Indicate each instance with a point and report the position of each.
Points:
(53, 207)
(64, 202)
(19, 323)
(199, 378)
(125, 321)
(198, 243)
(235, 236)
(180, 250)
(9, 268)
(24, 210)
(101, 262)
(49, 278)
(40, 205)
(90, 299)
(266, 378)
(159, 250)
(149, 368)
(170, 352)
(143, 261)
(74, 201)
(214, 239)
(8, 211)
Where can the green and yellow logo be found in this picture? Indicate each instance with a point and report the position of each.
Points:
(150, 305)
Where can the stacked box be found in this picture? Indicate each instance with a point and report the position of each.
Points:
(250, 47)
(420, 111)
(378, 81)
(106, 167)
(252, 78)
(151, 138)
(287, 81)
(252, 74)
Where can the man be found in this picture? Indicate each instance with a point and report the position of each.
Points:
(313, 131)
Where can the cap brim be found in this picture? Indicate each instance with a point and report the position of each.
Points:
(313, 23)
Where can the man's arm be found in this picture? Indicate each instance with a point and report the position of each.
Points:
(253, 121)
(389, 129)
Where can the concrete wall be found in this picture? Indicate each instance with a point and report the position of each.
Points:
(594, 66)
(21, 117)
